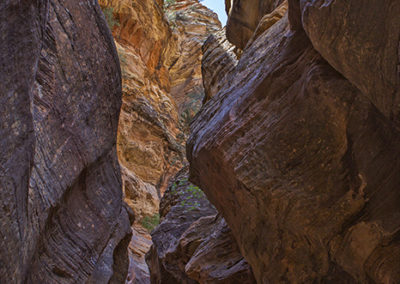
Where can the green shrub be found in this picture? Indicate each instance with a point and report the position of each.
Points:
(109, 14)
(191, 194)
(150, 222)
(168, 3)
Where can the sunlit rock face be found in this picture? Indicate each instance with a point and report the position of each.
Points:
(192, 23)
(299, 148)
(148, 142)
(244, 17)
(62, 216)
(193, 244)
(159, 46)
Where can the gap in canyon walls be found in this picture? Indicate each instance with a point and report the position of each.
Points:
(159, 45)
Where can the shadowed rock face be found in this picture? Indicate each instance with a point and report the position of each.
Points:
(361, 40)
(299, 157)
(219, 59)
(62, 216)
(193, 244)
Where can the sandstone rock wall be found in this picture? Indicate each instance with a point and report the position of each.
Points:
(62, 216)
(159, 47)
(148, 142)
(299, 151)
(192, 23)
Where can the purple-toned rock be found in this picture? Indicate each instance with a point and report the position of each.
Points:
(193, 244)
(62, 216)
(296, 153)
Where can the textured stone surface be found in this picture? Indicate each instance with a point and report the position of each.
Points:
(303, 167)
(361, 40)
(62, 218)
(269, 20)
(214, 254)
(192, 244)
(219, 59)
(160, 52)
(140, 244)
(148, 142)
(142, 197)
(244, 17)
(192, 23)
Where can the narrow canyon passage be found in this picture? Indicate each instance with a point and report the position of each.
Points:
(162, 91)
(146, 142)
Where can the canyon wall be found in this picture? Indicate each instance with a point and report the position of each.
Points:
(298, 145)
(159, 46)
(62, 215)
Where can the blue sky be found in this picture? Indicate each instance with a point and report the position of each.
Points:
(218, 6)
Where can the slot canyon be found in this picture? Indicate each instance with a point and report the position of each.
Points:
(147, 142)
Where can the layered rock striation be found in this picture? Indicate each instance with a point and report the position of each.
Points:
(298, 148)
(62, 215)
(193, 244)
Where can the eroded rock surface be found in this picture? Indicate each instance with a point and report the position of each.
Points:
(138, 247)
(193, 244)
(298, 156)
(159, 46)
(360, 36)
(219, 60)
(62, 216)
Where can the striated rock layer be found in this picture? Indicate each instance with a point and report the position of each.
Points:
(62, 216)
(299, 151)
(191, 23)
(193, 244)
(159, 46)
(148, 142)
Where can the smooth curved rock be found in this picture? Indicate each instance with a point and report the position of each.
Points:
(361, 40)
(301, 165)
(269, 20)
(62, 215)
(244, 17)
(215, 255)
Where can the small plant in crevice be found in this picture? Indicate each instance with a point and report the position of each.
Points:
(109, 14)
(168, 3)
(150, 222)
(190, 194)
